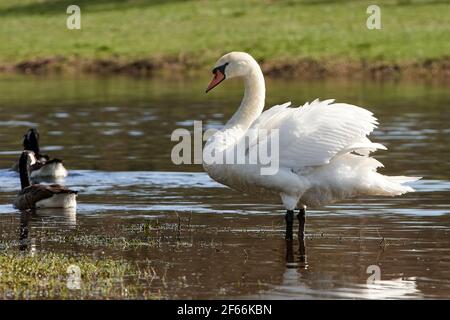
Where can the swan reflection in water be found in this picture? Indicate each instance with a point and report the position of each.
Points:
(302, 262)
(68, 216)
(304, 283)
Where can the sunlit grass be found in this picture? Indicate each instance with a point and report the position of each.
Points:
(49, 276)
(203, 30)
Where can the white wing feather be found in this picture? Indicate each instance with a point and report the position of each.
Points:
(315, 133)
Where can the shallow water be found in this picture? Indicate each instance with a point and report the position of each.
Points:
(202, 239)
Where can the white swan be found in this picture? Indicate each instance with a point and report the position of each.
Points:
(323, 147)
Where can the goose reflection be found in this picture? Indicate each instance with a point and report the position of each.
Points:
(26, 242)
(25, 217)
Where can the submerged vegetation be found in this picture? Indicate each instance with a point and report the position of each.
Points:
(152, 255)
(137, 36)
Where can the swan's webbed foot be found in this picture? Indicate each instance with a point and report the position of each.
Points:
(289, 217)
(301, 223)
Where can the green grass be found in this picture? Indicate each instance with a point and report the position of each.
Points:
(203, 30)
(48, 276)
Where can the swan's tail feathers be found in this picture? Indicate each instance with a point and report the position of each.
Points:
(403, 179)
(394, 185)
(362, 148)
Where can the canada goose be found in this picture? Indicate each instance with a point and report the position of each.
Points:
(323, 148)
(39, 195)
(44, 166)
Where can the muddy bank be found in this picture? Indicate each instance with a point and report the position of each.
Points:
(304, 68)
(376, 70)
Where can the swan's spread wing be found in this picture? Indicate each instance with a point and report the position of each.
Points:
(313, 134)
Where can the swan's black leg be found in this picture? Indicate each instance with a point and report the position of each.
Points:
(289, 224)
(301, 223)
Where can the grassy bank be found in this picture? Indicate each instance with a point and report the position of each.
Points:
(50, 276)
(141, 36)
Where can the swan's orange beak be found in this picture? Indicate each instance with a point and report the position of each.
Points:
(218, 78)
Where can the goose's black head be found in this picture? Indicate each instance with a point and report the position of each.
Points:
(31, 141)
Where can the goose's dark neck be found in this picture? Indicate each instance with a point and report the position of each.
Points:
(24, 169)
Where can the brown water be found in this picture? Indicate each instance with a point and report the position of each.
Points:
(204, 240)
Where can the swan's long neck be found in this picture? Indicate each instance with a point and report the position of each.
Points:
(252, 103)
